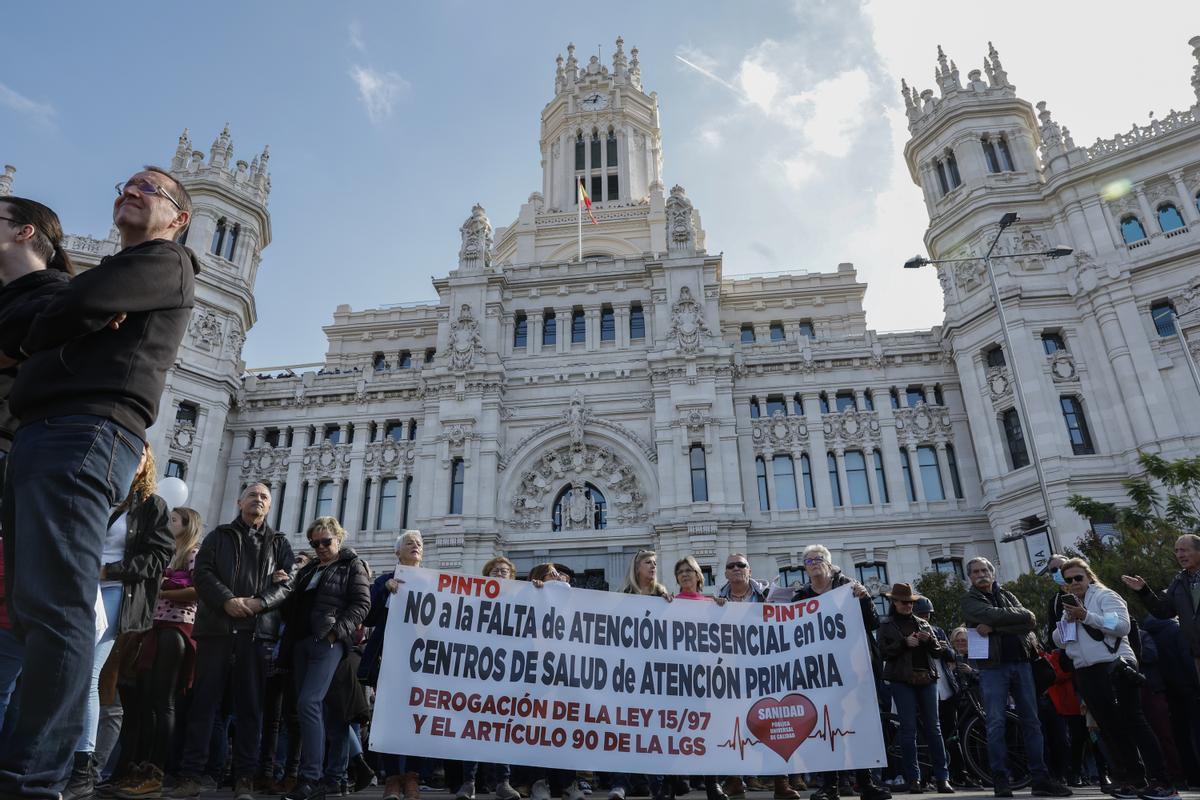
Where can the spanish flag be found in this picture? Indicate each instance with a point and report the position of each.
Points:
(586, 202)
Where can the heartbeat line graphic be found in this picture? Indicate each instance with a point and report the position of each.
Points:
(826, 732)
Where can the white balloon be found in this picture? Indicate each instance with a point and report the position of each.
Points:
(173, 491)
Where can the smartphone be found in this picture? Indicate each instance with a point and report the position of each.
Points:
(1070, 600)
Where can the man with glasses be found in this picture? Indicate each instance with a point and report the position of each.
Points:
(242, 576)
(94, 368)
(997, 614)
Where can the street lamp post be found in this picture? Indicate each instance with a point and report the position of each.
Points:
(1055, 252)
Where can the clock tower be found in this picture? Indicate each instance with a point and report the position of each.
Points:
(602, 129)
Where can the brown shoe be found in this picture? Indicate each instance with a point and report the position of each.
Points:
(798, 783)
(734, 788)
(147, 787)
(783, 791)
(393, 787)
(412, 786)
(755, 785)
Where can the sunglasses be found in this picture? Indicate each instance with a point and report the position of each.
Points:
(1075, 578)
(809, 562)
(737, 565)
(326, 542)
(146, 187)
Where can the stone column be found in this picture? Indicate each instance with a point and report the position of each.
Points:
(914, 469)
(564, 324)
(292, 512)
(592, 327)
(943, 462)
(310, 503)
(839, 455)
(373, 502)
(816, 453)
(534, 328)
(1190, 214)
(872, 478)
(621, 320)
(1149, 218)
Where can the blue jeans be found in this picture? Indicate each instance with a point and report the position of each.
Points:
(997, 682)
(313, 664)
(12, 656)
(913, 703)
(65, 474)
(91, 722)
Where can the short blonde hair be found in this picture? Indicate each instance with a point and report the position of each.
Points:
(691, 562)
(496, 562)
(328, 524)
(960, 630)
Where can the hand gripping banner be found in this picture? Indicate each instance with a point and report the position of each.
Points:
(479, 669)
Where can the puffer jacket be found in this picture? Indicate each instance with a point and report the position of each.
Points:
(219, 571)
(343, 597)
(899, 660)
(1009, 617)
(149, 546)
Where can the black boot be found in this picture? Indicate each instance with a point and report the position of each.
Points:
(713, 789)
(82, 783)
(361, 772)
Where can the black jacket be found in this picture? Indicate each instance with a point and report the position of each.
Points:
(343, 597)
(899, 660)
(149, 546)
(220, 575)
(78, 365)
(376, 620)
(869, 614)
(1176, 601)
(21, 301)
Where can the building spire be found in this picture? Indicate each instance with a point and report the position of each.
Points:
(1195, 43)
(620, 65)
(572, 64)
(6, 180)
(946, 74)
(183, 152)
(995, 72)
(635, 69)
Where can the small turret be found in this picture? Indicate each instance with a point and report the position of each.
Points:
(620, 65)
(572, 71)
(560, 81)
(996, 74)
(222, 149)
(183, 153)
(1195, 43)
(946, 75)
(6, 180)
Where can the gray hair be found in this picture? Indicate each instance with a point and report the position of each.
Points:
(410, 533)
(981, 560)
(249, 486)
(818, 549)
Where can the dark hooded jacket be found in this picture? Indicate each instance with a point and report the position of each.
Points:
(78, 365)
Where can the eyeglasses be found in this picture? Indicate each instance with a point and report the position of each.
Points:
(737, 565)
(326, 542)
(1075, 578)
(809, 562)
(14, 222)
(146, 187)
(500, 572)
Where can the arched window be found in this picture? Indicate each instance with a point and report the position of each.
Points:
(564, 518)
(952, 169)
(637, 322)
(596, 151)
(1132, 230)
(231, 241)
(943, 180)
(378, 361)
(1169, 218)
(218, 241)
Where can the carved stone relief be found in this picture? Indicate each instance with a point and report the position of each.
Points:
(851, 428)
(326, 460)
(465, 340)
(578, 463)
(999, 383)
(1062, 366)
(922, 423)
(388, 458)
(206, 330)
(265, 463)
(687, 323)
(779, 433)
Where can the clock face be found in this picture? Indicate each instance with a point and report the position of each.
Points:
(594, 102)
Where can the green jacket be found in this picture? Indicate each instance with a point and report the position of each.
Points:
(1010, 617)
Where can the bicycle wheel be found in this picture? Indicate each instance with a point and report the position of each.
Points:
(973, 736)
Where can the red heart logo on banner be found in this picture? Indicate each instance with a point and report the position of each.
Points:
(782, 725)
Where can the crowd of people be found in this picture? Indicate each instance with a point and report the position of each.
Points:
(163, 660)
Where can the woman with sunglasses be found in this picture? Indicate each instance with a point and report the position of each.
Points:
(330, 598)
(823, 576)
(1095, 634)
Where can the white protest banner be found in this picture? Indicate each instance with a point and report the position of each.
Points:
(481, 669)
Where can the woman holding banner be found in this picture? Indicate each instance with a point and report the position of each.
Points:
(643, 576)
(402, 777)
(910, 648)
(824, 576)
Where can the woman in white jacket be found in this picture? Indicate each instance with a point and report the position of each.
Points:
(1095, 635)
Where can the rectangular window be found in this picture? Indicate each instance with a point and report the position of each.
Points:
(520, 331)
(608, 324)
(1077, 427)
(332, 434)
(271, 437)
(595, 155)
(186, 414)
(906, 472)
(857, 480)
(614, 187)
(1052, 343)
(835, 487)
(1163, 314)
(176, 469)
(747, 334)
(597, 187)
(405, 359)
(754, 412)
(895, 396)
(810, 497)
(806, 329)
(385, 515)
(429, 354)
(549, 329)
(324, 506)
(785, 483)
(798, 405)
(931, 476)
(950, 566)
(579, 156)
(775, 402)
(610, 150)
(994, 356)
(457, 481)
(578, 326)
(637, 322)
(404, 512)
(823, 402)
(760, 475)
(914, 395)
(777, 334)
(881, 479)
(699, 474)
(875, 573)
(277, 503)
(795, 577)
(869, 400)
(1014, 437)
(365, 519)
(845, 400)
(952, 462)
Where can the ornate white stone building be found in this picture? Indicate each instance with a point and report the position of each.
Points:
(552, 408)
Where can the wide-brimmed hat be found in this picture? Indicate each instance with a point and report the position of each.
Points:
(902, 591)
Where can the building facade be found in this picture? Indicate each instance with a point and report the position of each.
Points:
(577, 409)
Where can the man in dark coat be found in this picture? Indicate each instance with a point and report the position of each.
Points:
(242, 576)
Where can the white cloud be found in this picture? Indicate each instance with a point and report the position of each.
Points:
(378, 91)
(837, 107)
(759, 84)
(711, 138)
(40, 113)
(355, 34)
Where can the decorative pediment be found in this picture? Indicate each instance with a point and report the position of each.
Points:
(577, 418)
(571, 463)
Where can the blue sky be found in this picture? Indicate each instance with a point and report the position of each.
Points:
(387, 121)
